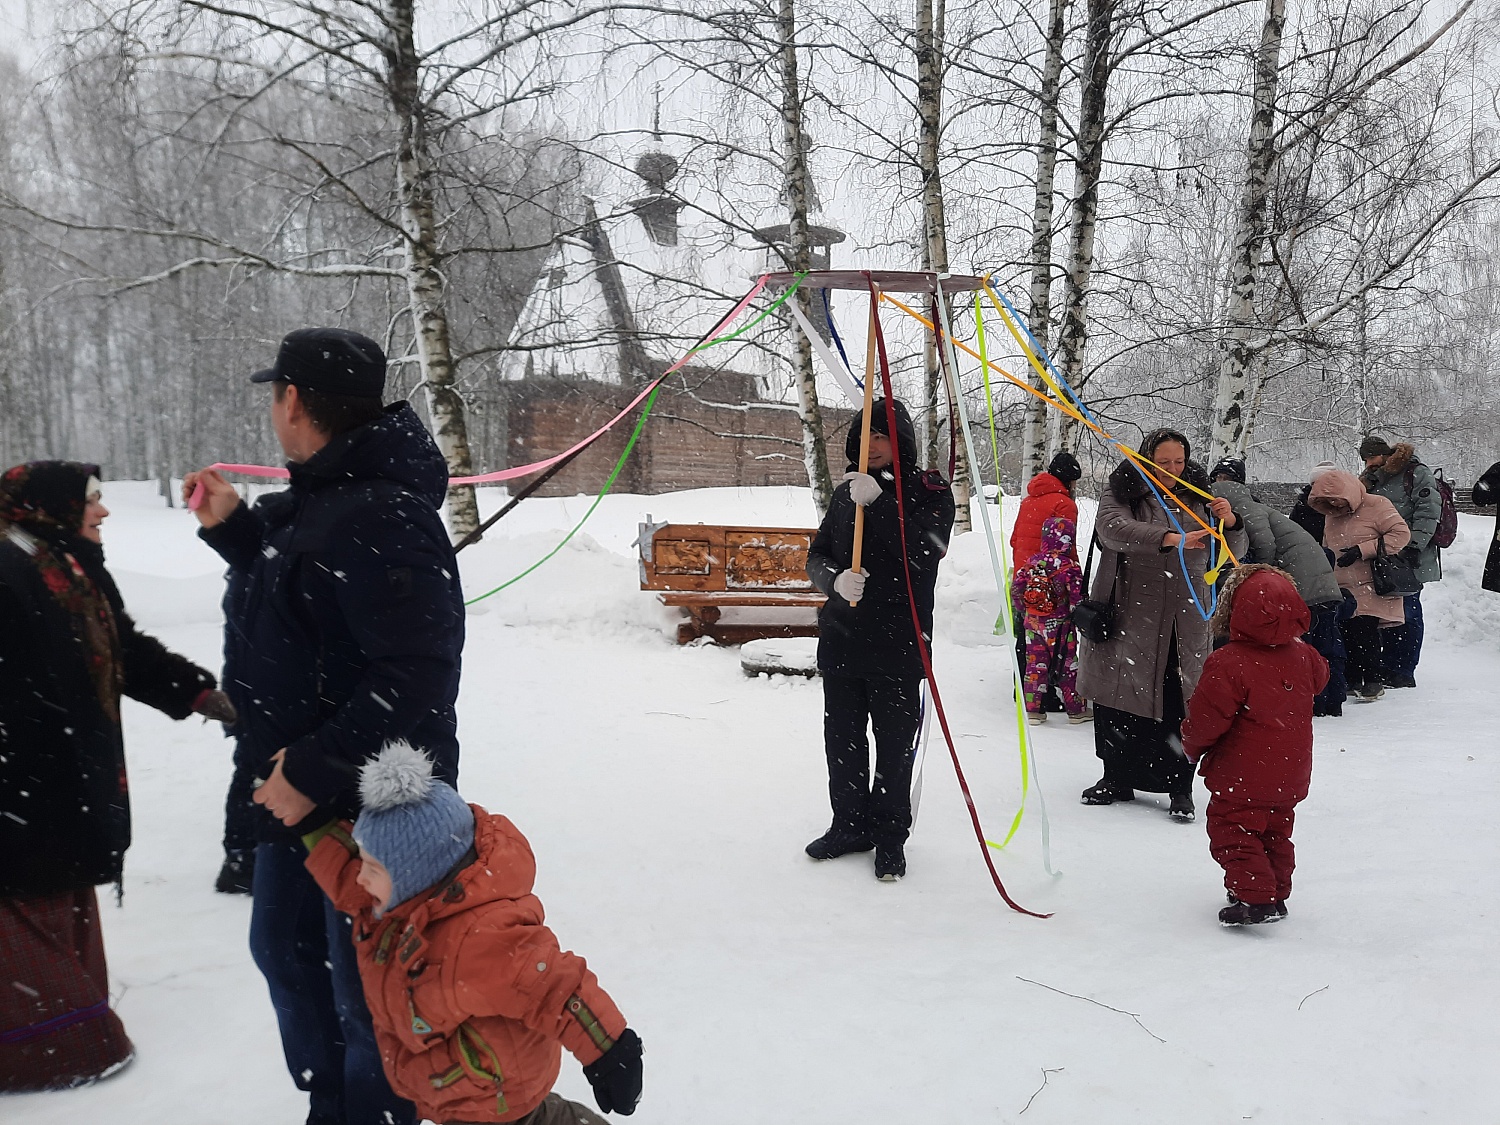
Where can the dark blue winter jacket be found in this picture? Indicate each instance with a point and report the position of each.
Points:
(344, 618)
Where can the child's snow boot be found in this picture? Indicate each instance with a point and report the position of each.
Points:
(1239, 913)
(1181, 808)
(890, 862)
(838, 841)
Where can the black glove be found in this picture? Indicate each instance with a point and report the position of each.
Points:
(1349, 556)
(1412, 554)
(616, 1075)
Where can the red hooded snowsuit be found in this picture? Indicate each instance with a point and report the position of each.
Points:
(471, 997)
(1046, 497)
(1250, 723)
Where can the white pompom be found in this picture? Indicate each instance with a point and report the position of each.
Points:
(399, 775)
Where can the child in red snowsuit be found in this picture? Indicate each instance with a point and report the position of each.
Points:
(1249, 725)
(1043, 594)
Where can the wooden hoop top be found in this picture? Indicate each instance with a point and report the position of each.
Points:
(890, 281)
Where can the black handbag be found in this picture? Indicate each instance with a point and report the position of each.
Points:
(1392, 575)
(1095, 620)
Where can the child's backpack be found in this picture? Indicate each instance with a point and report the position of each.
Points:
(1039, 594)
(1447, 528)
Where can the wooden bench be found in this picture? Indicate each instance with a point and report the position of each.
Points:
(706, 568)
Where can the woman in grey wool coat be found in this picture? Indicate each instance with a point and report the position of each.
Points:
(1141, 678)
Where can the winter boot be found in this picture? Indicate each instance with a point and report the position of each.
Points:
(890, 862)
(1081, 717)
(1036, 718)
(1279, 904)
(1239, 913)
(1181, 808)
(238, 872)
(1106, 794)
(838, 841)
(1370, 692)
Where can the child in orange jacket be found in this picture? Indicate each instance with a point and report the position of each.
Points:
(471, 997)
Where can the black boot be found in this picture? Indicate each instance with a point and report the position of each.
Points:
(1239, 913)
(890, 862)
(1182, 809)
(238, 872)
(838, 841)
(1106, 794)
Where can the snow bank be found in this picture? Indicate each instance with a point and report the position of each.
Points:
(1457, 608)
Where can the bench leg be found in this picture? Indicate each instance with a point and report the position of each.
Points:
(700, 622)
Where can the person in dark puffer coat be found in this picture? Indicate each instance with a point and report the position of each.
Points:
(868, 652)
(1249, 726)
(344, 630)
(68, 652)
(1486, 493)
(1396, 473)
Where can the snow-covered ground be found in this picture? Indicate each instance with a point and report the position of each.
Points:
(668, 797)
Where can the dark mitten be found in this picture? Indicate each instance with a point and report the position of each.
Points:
(616, 1075)
(1349, 556)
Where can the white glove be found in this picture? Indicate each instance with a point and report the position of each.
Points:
(863, 488)
(850, 585)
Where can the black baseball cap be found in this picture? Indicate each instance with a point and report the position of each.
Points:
(334, 361)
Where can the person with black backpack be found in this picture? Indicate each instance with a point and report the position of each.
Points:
(1425, 502)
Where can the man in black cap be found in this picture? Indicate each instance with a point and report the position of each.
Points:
(344, 627)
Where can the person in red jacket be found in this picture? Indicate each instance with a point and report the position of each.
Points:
(1048, 496)
(1249, 726)
(471, 997)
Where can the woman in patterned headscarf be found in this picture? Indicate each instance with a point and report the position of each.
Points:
(68, 651)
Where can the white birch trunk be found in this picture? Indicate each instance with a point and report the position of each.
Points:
(424, 278)
(1231, 426)
(809, 410)
(1034, 434)
(930, 18)
(1073, 335)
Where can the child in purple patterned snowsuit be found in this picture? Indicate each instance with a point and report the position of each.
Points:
(1043, 594)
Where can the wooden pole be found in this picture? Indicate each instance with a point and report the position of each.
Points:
(864, 430)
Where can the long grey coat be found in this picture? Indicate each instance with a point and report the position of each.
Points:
(1152, 600)
(1420, 505)
(1276, 540)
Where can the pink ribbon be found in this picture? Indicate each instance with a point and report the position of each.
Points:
(195, 501)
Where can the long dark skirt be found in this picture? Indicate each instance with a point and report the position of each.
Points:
(56, 1026)
(1141, 753)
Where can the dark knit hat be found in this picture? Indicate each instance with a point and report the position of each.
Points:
(1373, 446)
(1231, 467)
(414, 825)
(1065, 467)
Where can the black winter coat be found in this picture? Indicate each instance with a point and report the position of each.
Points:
(1487, 492)
(1305, 516)
(64, 801)
(344, 618)
(875, 639)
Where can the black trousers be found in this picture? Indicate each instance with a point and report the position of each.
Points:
(1362, 641)
(1139, 753)
(882, 810)
(241, 816)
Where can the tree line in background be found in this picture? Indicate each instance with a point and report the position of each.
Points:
(1272, 223)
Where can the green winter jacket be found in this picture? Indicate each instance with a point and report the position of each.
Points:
(1277, 540)
(1411, 487)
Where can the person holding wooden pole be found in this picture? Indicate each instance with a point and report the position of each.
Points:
(867, 646)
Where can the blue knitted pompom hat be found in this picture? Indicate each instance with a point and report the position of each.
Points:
(415, 825)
